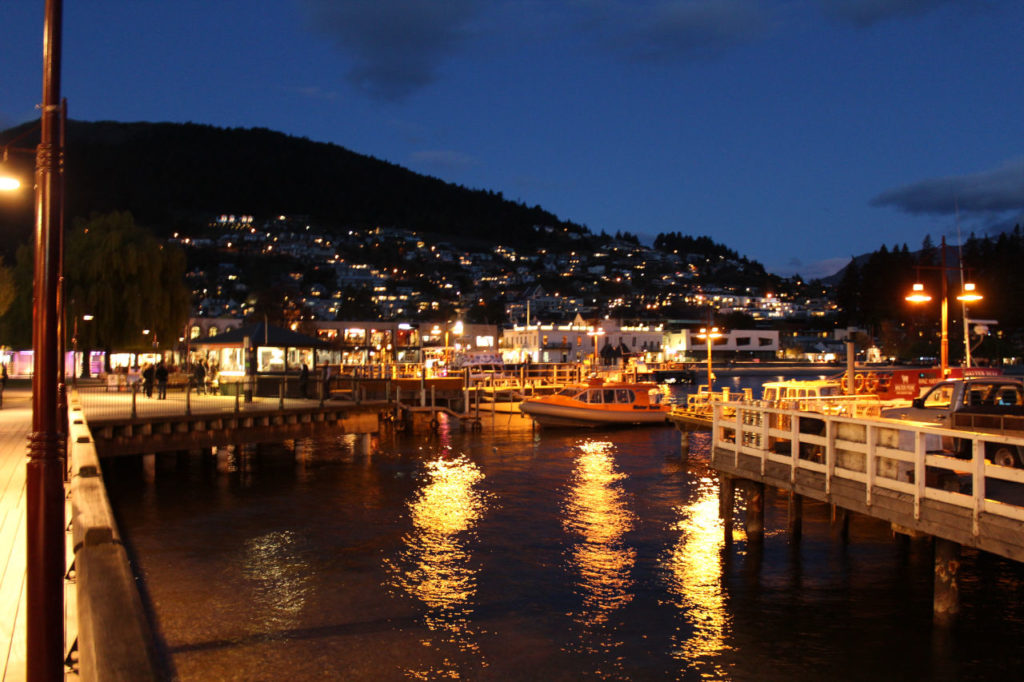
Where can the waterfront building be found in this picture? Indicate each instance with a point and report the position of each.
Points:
(688, 344)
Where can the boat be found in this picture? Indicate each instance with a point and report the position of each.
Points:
(599, 402)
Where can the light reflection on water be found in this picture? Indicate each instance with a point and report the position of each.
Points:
(596, 519)
(435, 565)
(693, 579)
(278, 580)
(520, 555)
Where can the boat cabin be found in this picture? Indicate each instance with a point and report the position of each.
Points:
(604, 395)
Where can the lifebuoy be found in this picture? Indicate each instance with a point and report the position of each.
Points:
(871, 382)
(858, 383)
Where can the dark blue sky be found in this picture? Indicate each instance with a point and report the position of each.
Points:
(797, 132)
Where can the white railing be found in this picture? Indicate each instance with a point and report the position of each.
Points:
(881, 454)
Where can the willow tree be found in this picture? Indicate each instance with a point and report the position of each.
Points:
(127, 281)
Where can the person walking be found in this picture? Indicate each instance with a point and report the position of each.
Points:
(148, 374)
(161, 381)
(304, 381)
(199, 377)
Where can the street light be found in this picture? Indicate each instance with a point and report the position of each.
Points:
(595, 333)
(919, 295)
(710, 335)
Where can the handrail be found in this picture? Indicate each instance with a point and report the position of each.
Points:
(883, 454)
(115, 640)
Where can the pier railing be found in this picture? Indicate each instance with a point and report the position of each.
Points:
(937, 480)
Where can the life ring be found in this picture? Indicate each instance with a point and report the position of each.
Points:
(858, 383)
(434, 425)
(871, 382)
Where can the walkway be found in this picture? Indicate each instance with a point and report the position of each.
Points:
(15, 426)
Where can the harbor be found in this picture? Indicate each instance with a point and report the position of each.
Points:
(636, 569)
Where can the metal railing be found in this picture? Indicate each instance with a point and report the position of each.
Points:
(134, 401)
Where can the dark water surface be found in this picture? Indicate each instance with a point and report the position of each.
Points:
(521, 555)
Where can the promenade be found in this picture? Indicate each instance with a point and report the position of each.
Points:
(15, 426)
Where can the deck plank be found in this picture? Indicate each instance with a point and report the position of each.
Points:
(15, 426)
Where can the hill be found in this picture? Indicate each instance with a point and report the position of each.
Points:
(177, 175)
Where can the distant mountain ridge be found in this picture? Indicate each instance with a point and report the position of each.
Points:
(172, 175)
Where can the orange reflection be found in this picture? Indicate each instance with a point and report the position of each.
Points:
(597, 515)
(435, 567)
(693, 573)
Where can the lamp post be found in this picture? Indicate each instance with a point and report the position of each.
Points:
(44, 473)
(709, 333)
(919, 295)
(594, 334)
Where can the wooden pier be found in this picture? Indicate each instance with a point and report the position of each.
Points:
(900, 472)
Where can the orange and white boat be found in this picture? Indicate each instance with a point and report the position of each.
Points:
(599, 403)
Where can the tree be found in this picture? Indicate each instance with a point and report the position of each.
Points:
(127, 280)
(16, 327)
(7, 288)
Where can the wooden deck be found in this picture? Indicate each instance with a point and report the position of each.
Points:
(15, 425)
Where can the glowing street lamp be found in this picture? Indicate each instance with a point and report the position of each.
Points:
(594, 334)
(918, 295)
(710, 335)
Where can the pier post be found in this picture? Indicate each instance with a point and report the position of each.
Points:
(726, 501)
(188, 400)
(841, 522)
(795, 515)
(363, 445)
(149, 468)
(135, 392)
(754, 519)
(946, 599)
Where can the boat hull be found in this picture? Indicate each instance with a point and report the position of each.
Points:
(547, 414)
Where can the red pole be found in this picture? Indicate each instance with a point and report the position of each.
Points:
(44, 476)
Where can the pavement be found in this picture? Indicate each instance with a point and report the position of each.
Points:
(15, 426)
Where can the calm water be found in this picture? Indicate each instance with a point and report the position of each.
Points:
(515, 555)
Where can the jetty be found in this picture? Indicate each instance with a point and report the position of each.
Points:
(904, 473)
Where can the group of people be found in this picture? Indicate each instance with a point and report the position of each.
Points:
(157, 374)
(202, 371)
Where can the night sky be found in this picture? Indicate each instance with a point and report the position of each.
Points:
(797, 132)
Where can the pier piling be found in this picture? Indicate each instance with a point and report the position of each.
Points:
(946, 598)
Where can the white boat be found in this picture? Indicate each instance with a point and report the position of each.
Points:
(599, 403)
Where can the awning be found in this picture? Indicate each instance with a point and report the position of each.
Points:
(262, 335)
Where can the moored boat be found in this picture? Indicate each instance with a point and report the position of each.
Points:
(599, 403)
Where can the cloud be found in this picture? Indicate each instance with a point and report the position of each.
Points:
(396, 45)
(674, 28)
(990, 192)
(864, 13)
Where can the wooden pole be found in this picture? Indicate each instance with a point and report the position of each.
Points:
(754, 519)
(726, 502)
(946, 599)
(795, 515)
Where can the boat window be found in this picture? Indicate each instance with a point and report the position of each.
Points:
(769, 394)
(624, 395)
(569, 392)
(1009, 395)
(609, 396)
(592, 396)
(940, 396)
